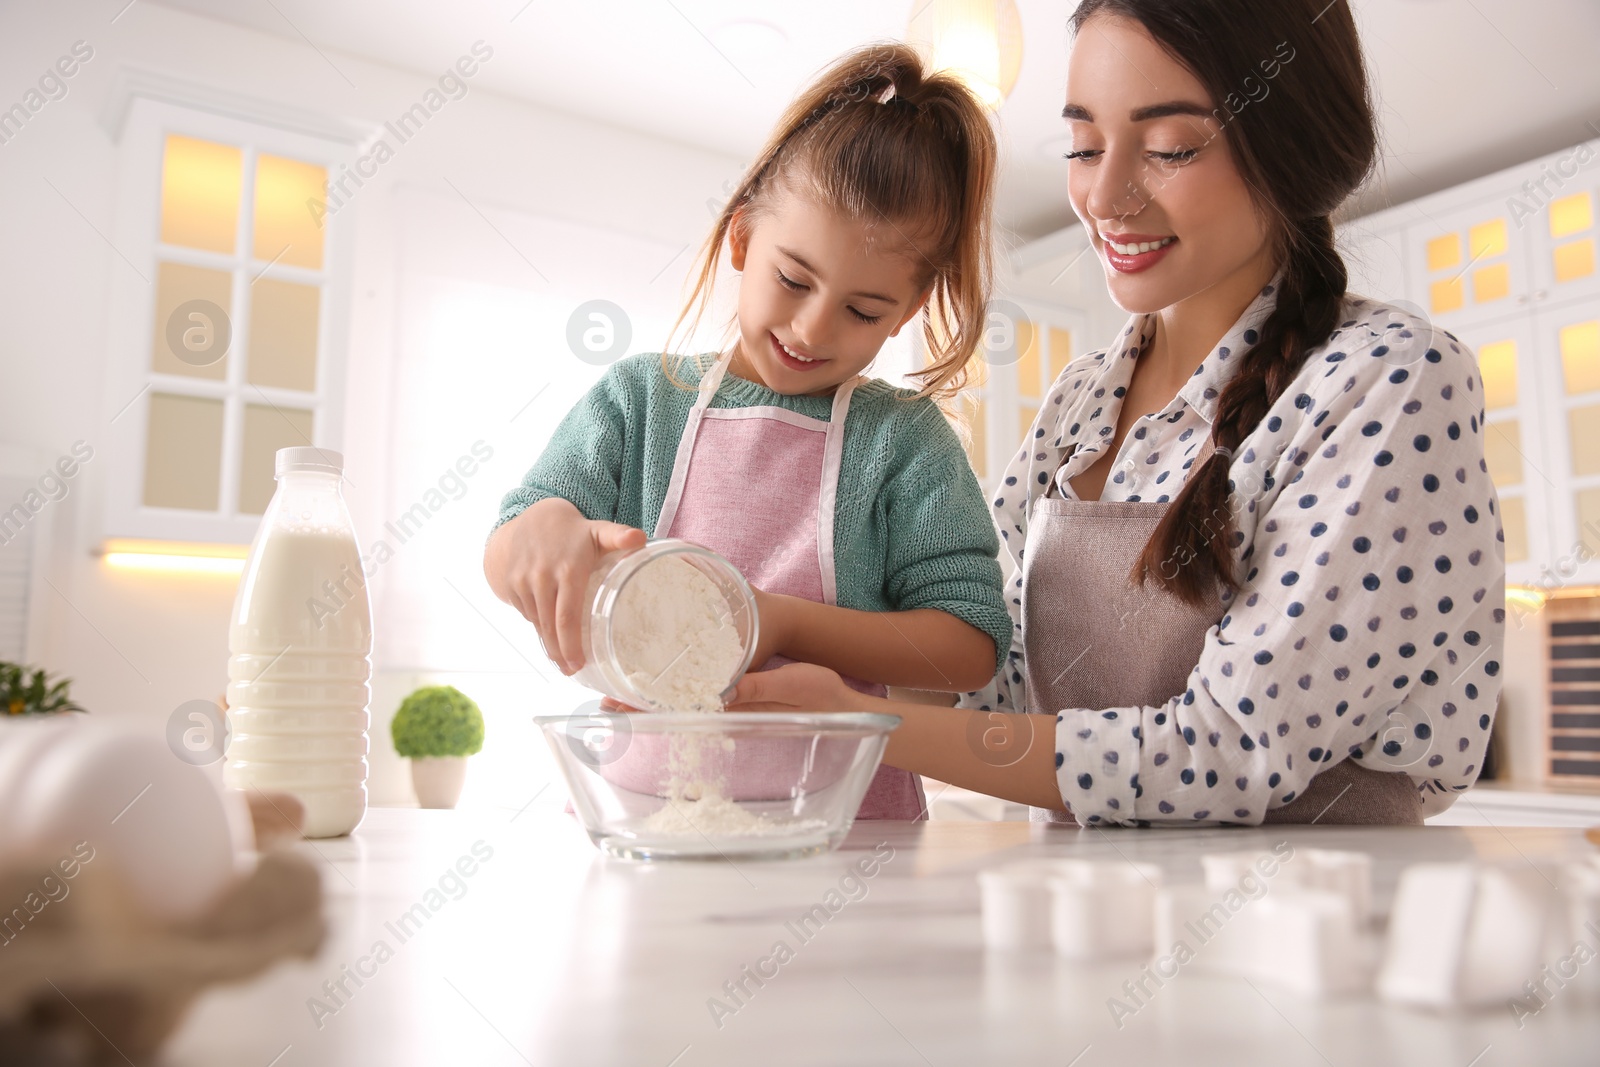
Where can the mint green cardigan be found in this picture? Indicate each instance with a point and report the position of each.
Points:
(911, 530)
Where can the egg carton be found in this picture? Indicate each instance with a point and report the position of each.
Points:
(129, 885)
(134, 974)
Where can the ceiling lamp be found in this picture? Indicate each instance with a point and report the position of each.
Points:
(980, 41)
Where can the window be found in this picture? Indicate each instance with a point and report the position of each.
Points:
(228, 340)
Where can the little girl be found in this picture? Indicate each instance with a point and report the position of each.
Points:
(847, 503)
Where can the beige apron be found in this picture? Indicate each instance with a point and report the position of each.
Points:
(1093, 639)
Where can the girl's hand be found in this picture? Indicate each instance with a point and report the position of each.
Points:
(794, 687)
(540, 563)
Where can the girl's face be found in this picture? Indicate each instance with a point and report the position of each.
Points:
(1151, 174)
(820, 295)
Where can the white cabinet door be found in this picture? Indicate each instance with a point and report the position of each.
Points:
(1566, 350)
(1514, 442)
(1026, 345)
(1562, 231)
(1467, 264)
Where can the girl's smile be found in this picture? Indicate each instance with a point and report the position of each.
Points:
(793, 359)
(819, 296)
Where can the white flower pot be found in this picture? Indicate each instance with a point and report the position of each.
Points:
(438, 779)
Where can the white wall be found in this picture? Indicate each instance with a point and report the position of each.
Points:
(140, 644)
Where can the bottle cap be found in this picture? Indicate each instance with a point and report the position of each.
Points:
(305, 458)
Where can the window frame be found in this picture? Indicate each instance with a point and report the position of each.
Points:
(130, 379)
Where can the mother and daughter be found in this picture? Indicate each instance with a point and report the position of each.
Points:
(1253, 562)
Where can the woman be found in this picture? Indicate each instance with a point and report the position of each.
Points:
(1257, 565)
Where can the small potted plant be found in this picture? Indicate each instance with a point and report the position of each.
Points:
(437, 728)
(28, 691)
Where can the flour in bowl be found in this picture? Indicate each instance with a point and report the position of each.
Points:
(674, 637)
(675, 640)
(712, 815)
(696, 805)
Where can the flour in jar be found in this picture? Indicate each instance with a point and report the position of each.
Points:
(674, 638)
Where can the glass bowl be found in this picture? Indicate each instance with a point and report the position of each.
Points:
(717, 786)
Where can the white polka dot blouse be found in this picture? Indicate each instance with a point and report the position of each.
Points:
(1370, 620)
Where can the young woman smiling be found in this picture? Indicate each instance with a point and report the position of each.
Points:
(1256, 563)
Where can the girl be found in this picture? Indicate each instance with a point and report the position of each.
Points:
(847, 503)
(1271, 492)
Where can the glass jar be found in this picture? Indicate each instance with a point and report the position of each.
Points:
(601, 670)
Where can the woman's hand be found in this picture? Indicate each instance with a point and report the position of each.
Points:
(540, 563)
(775, 626)
(794, 687)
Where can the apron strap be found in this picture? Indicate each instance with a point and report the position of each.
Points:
(833, 455)
(709, 382)
(828, 499)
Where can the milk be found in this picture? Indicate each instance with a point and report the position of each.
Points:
(300, 641)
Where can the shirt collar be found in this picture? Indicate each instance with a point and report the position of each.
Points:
(1094, 416)
(1209, 379)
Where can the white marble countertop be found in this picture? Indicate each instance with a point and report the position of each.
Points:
(549, 953)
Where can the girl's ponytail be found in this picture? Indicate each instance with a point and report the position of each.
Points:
(879, 139)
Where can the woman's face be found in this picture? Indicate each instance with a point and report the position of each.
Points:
(1151, 172)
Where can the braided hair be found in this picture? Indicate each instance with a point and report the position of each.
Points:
(1302, 146)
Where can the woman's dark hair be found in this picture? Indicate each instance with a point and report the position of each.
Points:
(1302, 147)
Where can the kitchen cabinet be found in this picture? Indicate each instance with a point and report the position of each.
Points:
(228, 333)
(1027, 343)
(1568, 336)
(1050, 307)
(1510, 264)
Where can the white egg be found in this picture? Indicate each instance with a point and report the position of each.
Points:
(22, 740)
(160, 821)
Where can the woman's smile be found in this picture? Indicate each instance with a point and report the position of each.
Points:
(1128, 253)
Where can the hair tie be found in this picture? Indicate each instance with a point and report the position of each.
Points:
(1223, 450)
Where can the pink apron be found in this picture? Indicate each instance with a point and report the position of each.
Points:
(758, 486)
